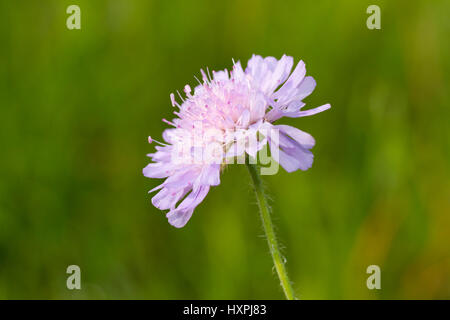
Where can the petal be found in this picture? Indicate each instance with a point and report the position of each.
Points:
(157, 170)
(271, 62)
(179, 216)
(182, 178)
(244, 119)
(292, 159)
(254, 69)
(304, 139)
(278, 76)
(290, 154)
(305, 88)
(220, 75)
(167, 198)
(309, 112)
(162, 155)
(209, 176)
(288, 89)
(172, 135)
(258, 105)
(267, 74)
(296, 158)
(237, 72)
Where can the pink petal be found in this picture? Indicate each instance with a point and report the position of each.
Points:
(301, 137)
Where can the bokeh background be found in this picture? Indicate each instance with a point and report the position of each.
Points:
(77, 107)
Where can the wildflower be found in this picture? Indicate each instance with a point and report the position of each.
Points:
(230, 114)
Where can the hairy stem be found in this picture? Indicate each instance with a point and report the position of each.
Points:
(270, 233)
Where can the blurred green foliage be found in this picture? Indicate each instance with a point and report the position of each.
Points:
(77, 107)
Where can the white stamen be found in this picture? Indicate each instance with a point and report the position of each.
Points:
(151, 140)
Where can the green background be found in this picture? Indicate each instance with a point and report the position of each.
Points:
(77, 107)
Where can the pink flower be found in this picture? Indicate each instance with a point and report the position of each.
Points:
(228, 115)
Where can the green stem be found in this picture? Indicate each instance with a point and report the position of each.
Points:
(270, 233)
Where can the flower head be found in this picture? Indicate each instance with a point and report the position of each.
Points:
(229, 115)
